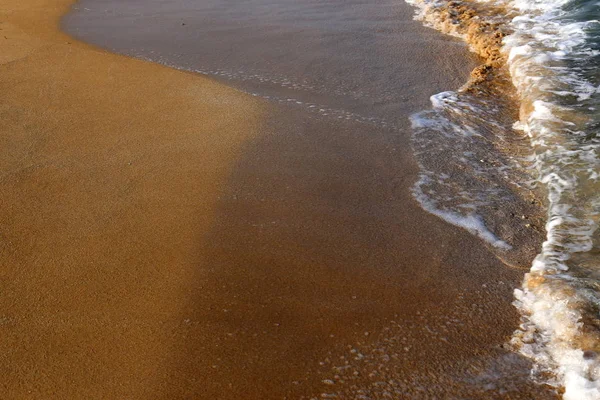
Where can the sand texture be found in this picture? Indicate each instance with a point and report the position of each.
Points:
(110, 170)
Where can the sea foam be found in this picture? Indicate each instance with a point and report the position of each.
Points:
(551, 50)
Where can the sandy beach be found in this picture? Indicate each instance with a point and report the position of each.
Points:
(97, 251)
(164, 236)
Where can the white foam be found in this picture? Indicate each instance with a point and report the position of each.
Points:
(551, 297)
(545, 55)
(471, 222)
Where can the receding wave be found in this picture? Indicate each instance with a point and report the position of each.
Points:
(523, 132)
(475, 167)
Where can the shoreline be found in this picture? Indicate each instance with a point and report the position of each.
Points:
(522, 221)
(160, 245)
(558, 329)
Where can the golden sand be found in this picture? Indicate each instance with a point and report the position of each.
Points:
(110, 169)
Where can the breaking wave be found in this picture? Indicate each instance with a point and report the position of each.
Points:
(523, 132)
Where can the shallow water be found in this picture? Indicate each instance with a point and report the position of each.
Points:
(550, 52)
(347, 59)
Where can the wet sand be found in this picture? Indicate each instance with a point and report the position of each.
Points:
(164, 236)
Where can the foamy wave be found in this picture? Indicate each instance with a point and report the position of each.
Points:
(559, 297)
(471, 159)
(552, 56)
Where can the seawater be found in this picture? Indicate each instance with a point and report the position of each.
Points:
(353, 60)
(550, 51)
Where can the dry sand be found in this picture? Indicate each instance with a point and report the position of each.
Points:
(110, 168)
(164, 236)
